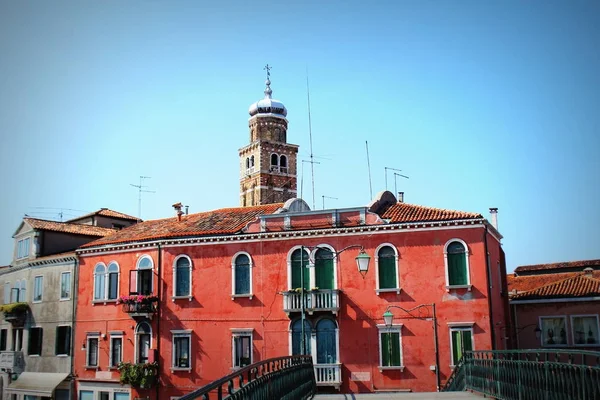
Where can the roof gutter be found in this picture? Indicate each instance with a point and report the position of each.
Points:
(561, 300)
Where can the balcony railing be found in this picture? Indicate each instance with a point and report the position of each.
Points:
(12, 360)
(140, 309)
(15, 313)
(328, 374)
(314, 300)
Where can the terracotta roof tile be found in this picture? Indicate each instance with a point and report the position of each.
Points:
(106, 212)
(403, 212)
(575, 265)
(216, 222)
(580, 285)
(68, 227)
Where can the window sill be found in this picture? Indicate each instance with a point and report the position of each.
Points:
(36, 301)
(189, 298)
(456, 287)
(62, 355)
(182, 369)
(394, 368)
(33, 355)
(104, 302)
(236, 296)
(65, 299)
(92, 367)
(389, 290)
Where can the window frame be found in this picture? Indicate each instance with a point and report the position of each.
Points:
(274, 167)
(283, 168)
(22, 296)
(61, 298)
(102, 297)
(397, 289)
(571, 320)
(23, 248)
(188, 296)
(68, 353)
(313, 266)
(40, 341)
(395, 328)
(459, 326)
(241, 332)
(90, 337)
(449, 287)
(107, 281)
(541, 325)
(137, 274)
(114, 336)
(138, 342)
(233, 276)
(314, 337)
(33, 299)
(175, 334)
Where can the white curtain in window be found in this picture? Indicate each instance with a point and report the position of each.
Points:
(554, 331)
(585, 330)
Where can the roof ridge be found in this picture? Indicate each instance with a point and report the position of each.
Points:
(559, 282)
(437, 208)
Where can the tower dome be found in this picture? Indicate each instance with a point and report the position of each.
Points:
(268, 105)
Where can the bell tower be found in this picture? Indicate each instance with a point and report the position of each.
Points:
(268, 164)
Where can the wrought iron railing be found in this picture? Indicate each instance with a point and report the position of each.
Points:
(290, 377)
(314, 300)
(140, 308)
(529, 374)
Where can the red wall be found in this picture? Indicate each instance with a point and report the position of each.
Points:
(212, 312)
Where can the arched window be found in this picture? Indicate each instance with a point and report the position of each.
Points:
(300, 276)
(387, 268)
(297, 345)
(247, 162)
(183, 277)
(144, 274)
(251, 161)
(274, 160)
(99, 281)
(242, 274)
(143, 336)
(113, 281)
(457, 263)
(324, 269)
(326, 342)
(283, 164)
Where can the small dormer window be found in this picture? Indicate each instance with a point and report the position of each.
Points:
(23, 246)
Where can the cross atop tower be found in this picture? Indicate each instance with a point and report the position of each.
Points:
(268, 69)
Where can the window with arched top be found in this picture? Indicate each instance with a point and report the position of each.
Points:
(298, 346)
(274, 160)
(456, 257)
(251, 161)
(283, 165)
(183, 276)
(99, 281)
(247, 162)
(241, 275)
(386, 264)
(326, 342)
(300, 271)
(143, 336)
(113, 281)
(141, 279)
(324, 269)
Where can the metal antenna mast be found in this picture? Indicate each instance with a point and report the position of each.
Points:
(302, 175)
(327, 197)
(140, 191)
(396, 186)
(312, 166)
(392, 169)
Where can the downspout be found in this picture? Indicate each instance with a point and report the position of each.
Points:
(436, 349)
(74, 296)
(159, 294)
(489, 286)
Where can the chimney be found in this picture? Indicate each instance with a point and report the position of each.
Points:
(494, 217)
(588, 271)
(400, 197)
(187, 208)
(178, 212)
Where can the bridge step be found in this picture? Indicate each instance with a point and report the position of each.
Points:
(404, 396)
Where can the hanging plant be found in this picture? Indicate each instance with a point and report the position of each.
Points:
(142, 376)
(14, 308)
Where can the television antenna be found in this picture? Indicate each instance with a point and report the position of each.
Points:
(395, 185)
(302, 175)
(392, 169)
(327, 197)
(140, 191)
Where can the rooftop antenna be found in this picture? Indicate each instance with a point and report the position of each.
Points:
(140, 191)
(369, 168)
(391, 169)
(302, 175)
(396, 186)
(312, 162)
(327, 197)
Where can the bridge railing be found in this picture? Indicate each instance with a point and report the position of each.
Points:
(529, 374)
(290, 377)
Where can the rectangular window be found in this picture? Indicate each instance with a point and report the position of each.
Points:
(63, 340)
(35, 341)
(242, 348)
(181, 350)
(17, 343)
(104, 395)
(461, 340)
(86, 395)
(92, 351)
(38, 288)
(116, 350)
(390, 347)
(554, 331)
(23, 248)
(65, 286)
(585, 330)
(3, 339)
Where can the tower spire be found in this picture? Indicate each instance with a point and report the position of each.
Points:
(268, 91)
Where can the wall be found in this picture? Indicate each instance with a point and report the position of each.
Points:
(57, 242)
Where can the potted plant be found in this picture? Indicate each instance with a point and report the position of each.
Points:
(142, 376)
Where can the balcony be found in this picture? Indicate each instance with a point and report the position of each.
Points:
(12, 360)
(15, 313)
(328, 374)
(314, 300)
(139, 306)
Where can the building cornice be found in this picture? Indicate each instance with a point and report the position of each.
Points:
(282, 235)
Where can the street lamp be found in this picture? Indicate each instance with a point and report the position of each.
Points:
(419, 312)
(362, 263)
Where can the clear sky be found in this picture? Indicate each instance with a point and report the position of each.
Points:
(482, 104)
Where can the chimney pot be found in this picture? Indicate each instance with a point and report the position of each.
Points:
(494, 217)
(588, 271)
(400, 197)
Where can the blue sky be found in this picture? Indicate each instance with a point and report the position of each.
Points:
(481, 104)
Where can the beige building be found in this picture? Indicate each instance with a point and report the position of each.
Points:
(36, 331)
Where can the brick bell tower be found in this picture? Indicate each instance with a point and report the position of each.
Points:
(268, 164)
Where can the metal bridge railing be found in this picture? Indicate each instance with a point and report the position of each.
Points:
(289, 378)
(529, 374)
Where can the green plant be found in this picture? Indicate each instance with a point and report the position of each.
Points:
(138, 375)
(14, 308)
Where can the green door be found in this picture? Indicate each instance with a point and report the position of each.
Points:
(324, 269)
(299, 260)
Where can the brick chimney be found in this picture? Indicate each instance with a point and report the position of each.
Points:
(494, 217)
(178, 211)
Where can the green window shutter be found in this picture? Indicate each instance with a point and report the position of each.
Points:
(297, 261)
(457, 269)
(395, 338)
(456, 346)
(324, 269)
(390, 349)
(387, 273)
(467, 341)
(385, 349)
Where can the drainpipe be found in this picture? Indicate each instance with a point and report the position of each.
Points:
(74, 296)
(489, 286)
(159, 294)
(436, 350)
